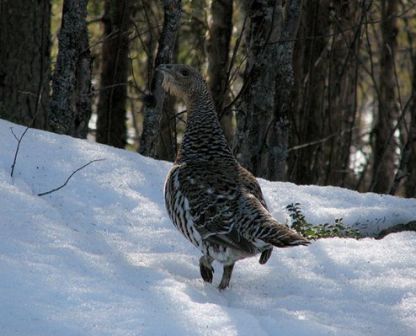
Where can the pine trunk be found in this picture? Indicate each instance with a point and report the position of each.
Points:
(111, 110)
(342, 93)
(24, 61)
(411, 161)
(408, 160)
(83, 92)
(155, 103)
(262, 134)
(166, 142)
(275, 152)
(385, 144)
(70, 106)
(308, 121)
(255, 106)
(218, 46)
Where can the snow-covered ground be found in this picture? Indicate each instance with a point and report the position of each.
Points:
(100, 257)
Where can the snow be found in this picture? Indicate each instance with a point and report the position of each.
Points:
(100, 256)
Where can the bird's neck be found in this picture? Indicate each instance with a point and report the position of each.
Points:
(204, 138)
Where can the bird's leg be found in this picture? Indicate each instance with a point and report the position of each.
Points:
(206, 268)
(226, 276)
(265, 255)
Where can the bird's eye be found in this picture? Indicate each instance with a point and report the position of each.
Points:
(184, 72)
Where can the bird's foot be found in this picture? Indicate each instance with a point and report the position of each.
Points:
(206, 268)
(265, 255)
(226, 276)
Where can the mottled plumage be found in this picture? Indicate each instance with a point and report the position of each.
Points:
(216, 203)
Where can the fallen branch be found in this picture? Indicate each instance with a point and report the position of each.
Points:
(19, 141)
(411, 226)
(69, 177)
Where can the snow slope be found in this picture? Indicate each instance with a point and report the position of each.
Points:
(100, 257)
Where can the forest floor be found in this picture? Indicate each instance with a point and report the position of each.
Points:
(100, 256)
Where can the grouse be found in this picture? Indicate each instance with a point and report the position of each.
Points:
(211, 199)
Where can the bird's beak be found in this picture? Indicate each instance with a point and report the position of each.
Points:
(165, 69)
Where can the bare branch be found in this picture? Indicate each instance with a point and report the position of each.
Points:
(411, 226)
(19, 141)
(69, 177)
(14, 134)
(320, 141)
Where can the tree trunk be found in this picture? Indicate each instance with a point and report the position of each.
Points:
(275, 152)
(407, 170)
(70, 106)
(342, 92)
(410, 151)
(218, 47)
(24, 61)
(385, 144)
(308, 121)
(255, 106)
(262, 134)
(193, 32)
(166, 142)
(111, 109)
(154, 104)
(83, 92)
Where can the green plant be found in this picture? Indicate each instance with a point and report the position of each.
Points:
(327, 230)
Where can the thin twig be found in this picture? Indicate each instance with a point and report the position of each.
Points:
(19, 141)
(352, 28)
(320, 141)
(14, 134)
(98, 19)
(38, 100)
(69, 177)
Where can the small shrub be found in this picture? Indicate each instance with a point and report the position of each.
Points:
(327, 230)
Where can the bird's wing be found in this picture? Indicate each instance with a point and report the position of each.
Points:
(250, 183)
(213, 192)
(262, 227)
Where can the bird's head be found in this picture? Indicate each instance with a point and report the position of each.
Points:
(181, 80)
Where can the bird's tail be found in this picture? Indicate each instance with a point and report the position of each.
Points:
(282, 236)
(264, 228)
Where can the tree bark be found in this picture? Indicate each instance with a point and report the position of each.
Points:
(408, 159)
(275, 153)
(255, 106)
(342, 91)
(166, 141)
(70, 105)
(218, 47)
(326, 76)
(262, 134)
(193, 32)
(308, 121)
(111, 109)
(24, 61)
(154, 104)
(385, 144)
(83, 94)
(410, 150)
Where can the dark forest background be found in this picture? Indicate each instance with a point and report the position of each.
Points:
(312, 92)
